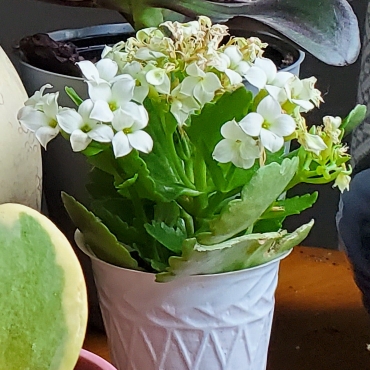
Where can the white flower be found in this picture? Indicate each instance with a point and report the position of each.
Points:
(159, 79)
(303, 93)
(109, 97)
(128, 122)
(199, 84)
(311, 142)
(237, 147)
(275, 80)
(230, 62)
(147, 54)
(39, 115)
(331, 128)
(82, 128)
(102, 71)
(269, 124)
(182, 105)
(342, 181)
(141, 89)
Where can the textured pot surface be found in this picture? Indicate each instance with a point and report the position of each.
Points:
(209, 322)
(20, 153)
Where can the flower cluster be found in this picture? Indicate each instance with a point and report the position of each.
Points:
(190, 119)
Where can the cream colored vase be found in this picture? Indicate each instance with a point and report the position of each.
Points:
(20, 152)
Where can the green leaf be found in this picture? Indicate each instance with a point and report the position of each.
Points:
(73, 95)
(118, 216)
(101, 184)
(272, 219)
(354, 118)
(267, 184)
(171, 237)
(236, 254)
(290, 206)
(97, 236)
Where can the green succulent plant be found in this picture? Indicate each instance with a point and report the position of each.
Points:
(327, 29)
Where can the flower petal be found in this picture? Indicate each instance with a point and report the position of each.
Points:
(123, 89)
(188, 84)
(243, 162)
(121, 145)
(85, 109)
(234, 77)
(256, 77)
(271, 141)
(107, 68)
(31, 118)
(79, 140)
(268, 66)
(234, 54)
(99, 91)
(211, 82)
(69, 120)
(89, 70)
(249, 148)
(223, 151)
(269, 108)
(231, 130)
(101, 133)
(141, 140)
(251, 124)
(283, 125)
(101, 111)
(45, 134)
(193, 70)
(122, 119)
(140, 93)
(201, 95)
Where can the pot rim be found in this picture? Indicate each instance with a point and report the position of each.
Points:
(96, 360)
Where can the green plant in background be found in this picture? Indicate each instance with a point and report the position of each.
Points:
(327, 29)
(190, 166)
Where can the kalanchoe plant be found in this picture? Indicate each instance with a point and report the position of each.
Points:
(327, 29)
(190, 167)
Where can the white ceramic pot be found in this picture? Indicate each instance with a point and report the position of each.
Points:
(20, 153)
(204, 322)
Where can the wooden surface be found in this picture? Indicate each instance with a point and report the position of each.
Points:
(319, 322)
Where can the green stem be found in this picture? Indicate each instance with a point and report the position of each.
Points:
(200, 181)
(138, 205)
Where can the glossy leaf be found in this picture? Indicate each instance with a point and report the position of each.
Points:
(327, 29)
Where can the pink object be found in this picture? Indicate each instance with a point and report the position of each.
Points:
(90, 361)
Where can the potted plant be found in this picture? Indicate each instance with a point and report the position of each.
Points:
(187, 188)
(333, 37)
(44, 302)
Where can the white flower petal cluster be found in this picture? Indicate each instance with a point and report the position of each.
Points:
(82, 128)
(331, 128)
(187, 59)
(39, 115)
(236, 146)
(269, 124)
